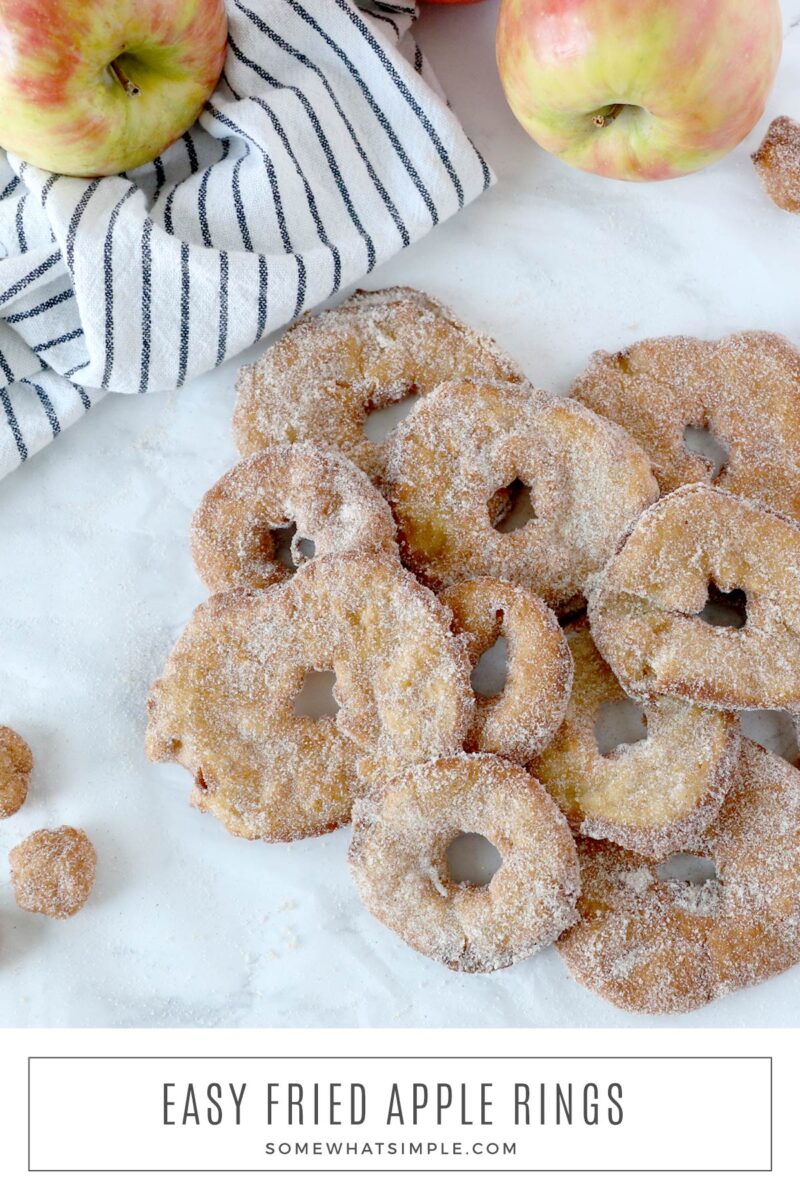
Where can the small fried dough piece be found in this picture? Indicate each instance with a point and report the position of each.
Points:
(16, 764)
(52, 871)
(777, 162)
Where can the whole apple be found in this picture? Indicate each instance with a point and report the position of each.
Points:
(95, 87)
(638, 89)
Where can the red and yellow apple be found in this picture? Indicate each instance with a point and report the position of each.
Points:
(638, 89)
(95, 87)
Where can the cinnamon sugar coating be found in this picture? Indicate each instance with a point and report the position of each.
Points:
(16, 764)
(398, 857)
(523, 718)
(588, 481)
(224, 707)
(650, 945)
(645, 613)
(745, 389)
(327, 373)
(328, 500)
(777, 162)
(655, 796)
(52, 871)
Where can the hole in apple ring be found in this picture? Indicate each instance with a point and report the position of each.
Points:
(618, 725)
(687, 868)
(382, 422)
(725, 610)
(511, 507)
(472, 860)
(316, 698)
(490, 672)
(699, 440)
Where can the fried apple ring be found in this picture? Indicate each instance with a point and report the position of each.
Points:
(522, 719)
(646, 612)
(652, 945)
(777, 162)
(588, 481)
(744, 389)
(224, 707)
(328, 372)
(654, 796)
(328, 500)
(16, 764)
(398, 856)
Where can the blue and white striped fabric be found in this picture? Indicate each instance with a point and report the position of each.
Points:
(326, 148)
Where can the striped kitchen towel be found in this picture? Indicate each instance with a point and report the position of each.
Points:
(326, 148)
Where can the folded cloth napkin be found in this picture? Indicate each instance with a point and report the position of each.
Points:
(327, 147)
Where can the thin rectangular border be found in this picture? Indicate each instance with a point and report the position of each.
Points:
(402, 1058)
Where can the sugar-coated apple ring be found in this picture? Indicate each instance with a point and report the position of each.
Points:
(744, 389)
(588, 481)
(523, 718)
(653, 797)
(646, 612)
(398, 857)
(324, 377)
(224, 707)
(326, 497)
(652, 945)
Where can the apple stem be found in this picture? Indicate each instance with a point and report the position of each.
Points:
(601, 120)
(128, 84)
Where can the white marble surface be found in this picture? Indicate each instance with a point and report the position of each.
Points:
(188, 926)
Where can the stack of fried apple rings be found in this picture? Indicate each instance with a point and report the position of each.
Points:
(644, 594)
